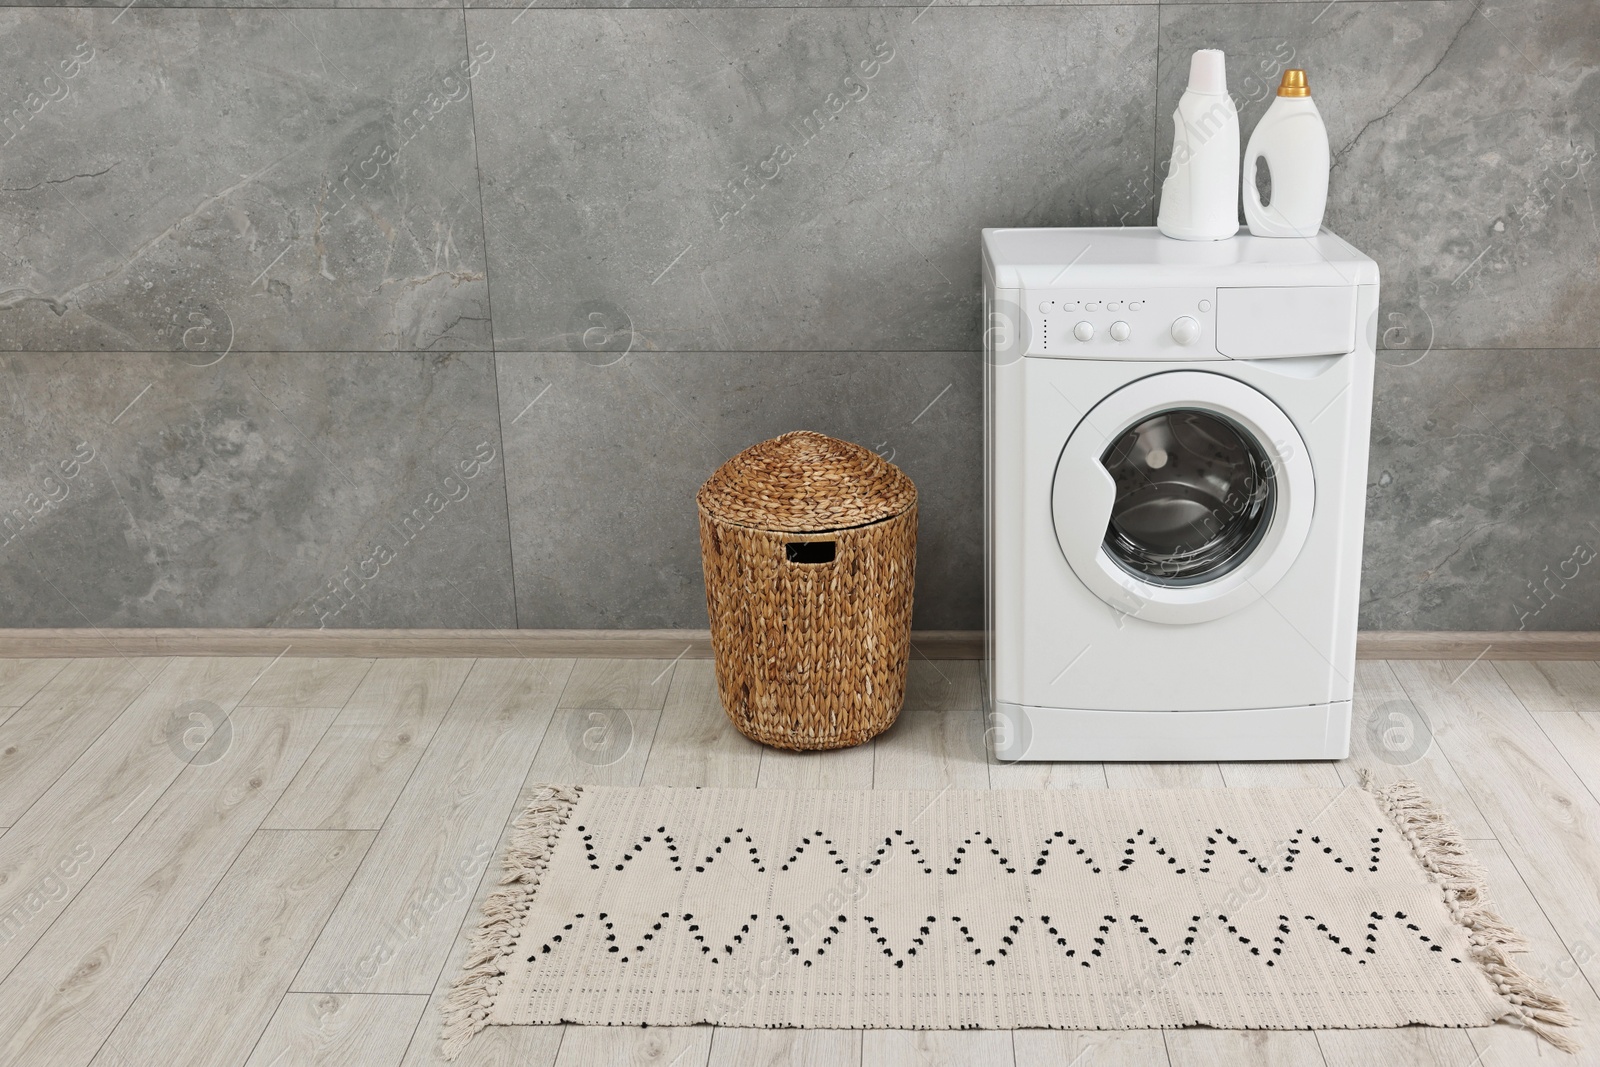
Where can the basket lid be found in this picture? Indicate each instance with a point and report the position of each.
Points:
(806, 482)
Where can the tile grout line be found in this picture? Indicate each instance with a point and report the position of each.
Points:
(671, 8)
(494, 349)
(1155, 118)
(814, 351)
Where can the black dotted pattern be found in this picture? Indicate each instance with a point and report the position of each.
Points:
(1081, 941)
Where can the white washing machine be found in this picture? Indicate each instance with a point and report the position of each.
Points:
(1176, 458)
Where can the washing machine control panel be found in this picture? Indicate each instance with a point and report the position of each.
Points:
(1148, 324)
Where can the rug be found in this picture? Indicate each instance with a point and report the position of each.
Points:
(1071, 909)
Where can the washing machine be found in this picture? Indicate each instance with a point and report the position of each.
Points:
(1175, 474)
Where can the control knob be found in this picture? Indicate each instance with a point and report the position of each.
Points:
(1084, 331)
(1185, 330)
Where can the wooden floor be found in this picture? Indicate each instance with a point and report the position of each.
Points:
(297, 891)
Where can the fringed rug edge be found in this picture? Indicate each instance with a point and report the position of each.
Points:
(1443, 853)
(1437, 844)
(533, 838)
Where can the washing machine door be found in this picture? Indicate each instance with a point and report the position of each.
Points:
(1183, 497)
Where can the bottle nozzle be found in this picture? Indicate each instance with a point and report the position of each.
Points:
(1206, 72)
(1294, 84)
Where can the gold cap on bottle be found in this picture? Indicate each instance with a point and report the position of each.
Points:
(1294, 84)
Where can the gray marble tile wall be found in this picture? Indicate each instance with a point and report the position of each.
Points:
(423, 314)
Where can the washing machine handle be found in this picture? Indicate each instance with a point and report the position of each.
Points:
(1081, 504)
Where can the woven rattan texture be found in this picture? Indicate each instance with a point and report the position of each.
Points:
(809, 655)
(806, 482)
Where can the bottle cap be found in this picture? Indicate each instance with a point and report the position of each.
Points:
(1206, 73)
(1294, 84)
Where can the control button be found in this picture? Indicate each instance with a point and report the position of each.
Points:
(1071, 305)
(1205, 305)
(1135, 305)
(1120, 331)
(1093, 305)
(1115, 305)
(1185, 330)
(1084, 331)
(1046, 306)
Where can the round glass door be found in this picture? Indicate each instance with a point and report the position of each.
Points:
(1194, 494)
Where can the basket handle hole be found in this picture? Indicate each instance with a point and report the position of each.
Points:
(809, 551)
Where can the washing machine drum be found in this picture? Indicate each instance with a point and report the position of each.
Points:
(1183, 497)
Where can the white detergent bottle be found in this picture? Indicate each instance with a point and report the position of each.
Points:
(1198, 201)
(1294, 143)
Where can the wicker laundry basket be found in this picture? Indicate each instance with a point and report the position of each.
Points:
(809, 545)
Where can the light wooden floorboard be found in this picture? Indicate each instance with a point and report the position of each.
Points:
(1232, 1048)
(846, 768)
(936, 1048)
(932, 748)
(1164, 776)
(1079, 1048)
(1540, 811)
(947, 686)
(1576, 736)
(614, 752)
(181, 890)
(1413, 1046)
(20, 679)
(220, 984)
(1297, 775)
(1380, 696)
(1551, 957)
(498, 1046)
(1553, 685)
(418, 878)
(740, 1047)
(87, 812)
(1046, 775)
(40, 740)
(76, 982)
(634, 1046)
(619, 683)
(307, 683)
(333, 1030)
(595, 746)
(361, 765)
(696, 743)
